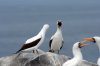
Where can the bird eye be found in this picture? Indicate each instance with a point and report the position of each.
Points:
(79, 45)
(94, 40)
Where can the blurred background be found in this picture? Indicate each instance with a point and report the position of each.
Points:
(23, 19)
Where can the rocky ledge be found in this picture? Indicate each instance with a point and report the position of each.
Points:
(38, 59)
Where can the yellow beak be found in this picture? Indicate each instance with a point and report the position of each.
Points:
(82, 44)
(89, 39)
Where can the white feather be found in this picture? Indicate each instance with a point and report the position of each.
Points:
(97, 39)
(57, 40)
(77, 56)
(41, 35)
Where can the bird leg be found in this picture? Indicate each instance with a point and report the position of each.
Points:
(35, 51)
(18, 54)
(51, 51)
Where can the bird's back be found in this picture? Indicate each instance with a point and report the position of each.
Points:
(72, 62)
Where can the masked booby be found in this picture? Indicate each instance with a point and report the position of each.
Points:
(56, 41)
(96, 40)
(77, 55)
(34, 42)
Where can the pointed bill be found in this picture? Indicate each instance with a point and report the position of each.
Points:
(90, 39)
(83, 45)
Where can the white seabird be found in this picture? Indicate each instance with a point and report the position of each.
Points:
(34, 42)
(56, 41)
(77, 55)
(96, 40)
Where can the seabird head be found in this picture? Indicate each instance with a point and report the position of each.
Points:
(59, 23)
(76, 49)
(44, 29)
(46, 26)
(79, 45)
(94, 39)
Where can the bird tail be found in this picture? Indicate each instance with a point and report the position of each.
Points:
(17, 51)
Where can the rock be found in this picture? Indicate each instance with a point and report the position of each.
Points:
(48, 59)
(19, 59)
(39, 59)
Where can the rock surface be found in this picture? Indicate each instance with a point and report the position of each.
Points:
(39, 59)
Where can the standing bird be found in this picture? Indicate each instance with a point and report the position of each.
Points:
(34, 42)
(96, 40)
(77, 55)
(56, 41)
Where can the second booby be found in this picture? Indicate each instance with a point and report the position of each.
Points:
(96, 40)
(34, 42)
(77, 55)
(56, 41)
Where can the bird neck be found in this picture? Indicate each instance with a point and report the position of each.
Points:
(98, 44)
(42, 32)
(99, 53)
(98, 61)
(77, 53)
(59, 29)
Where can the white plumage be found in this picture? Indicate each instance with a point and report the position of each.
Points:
(36, 41)
(77, 55)
(96, 40)
(56, 41)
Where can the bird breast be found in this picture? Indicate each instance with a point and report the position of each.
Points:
(57, 42)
